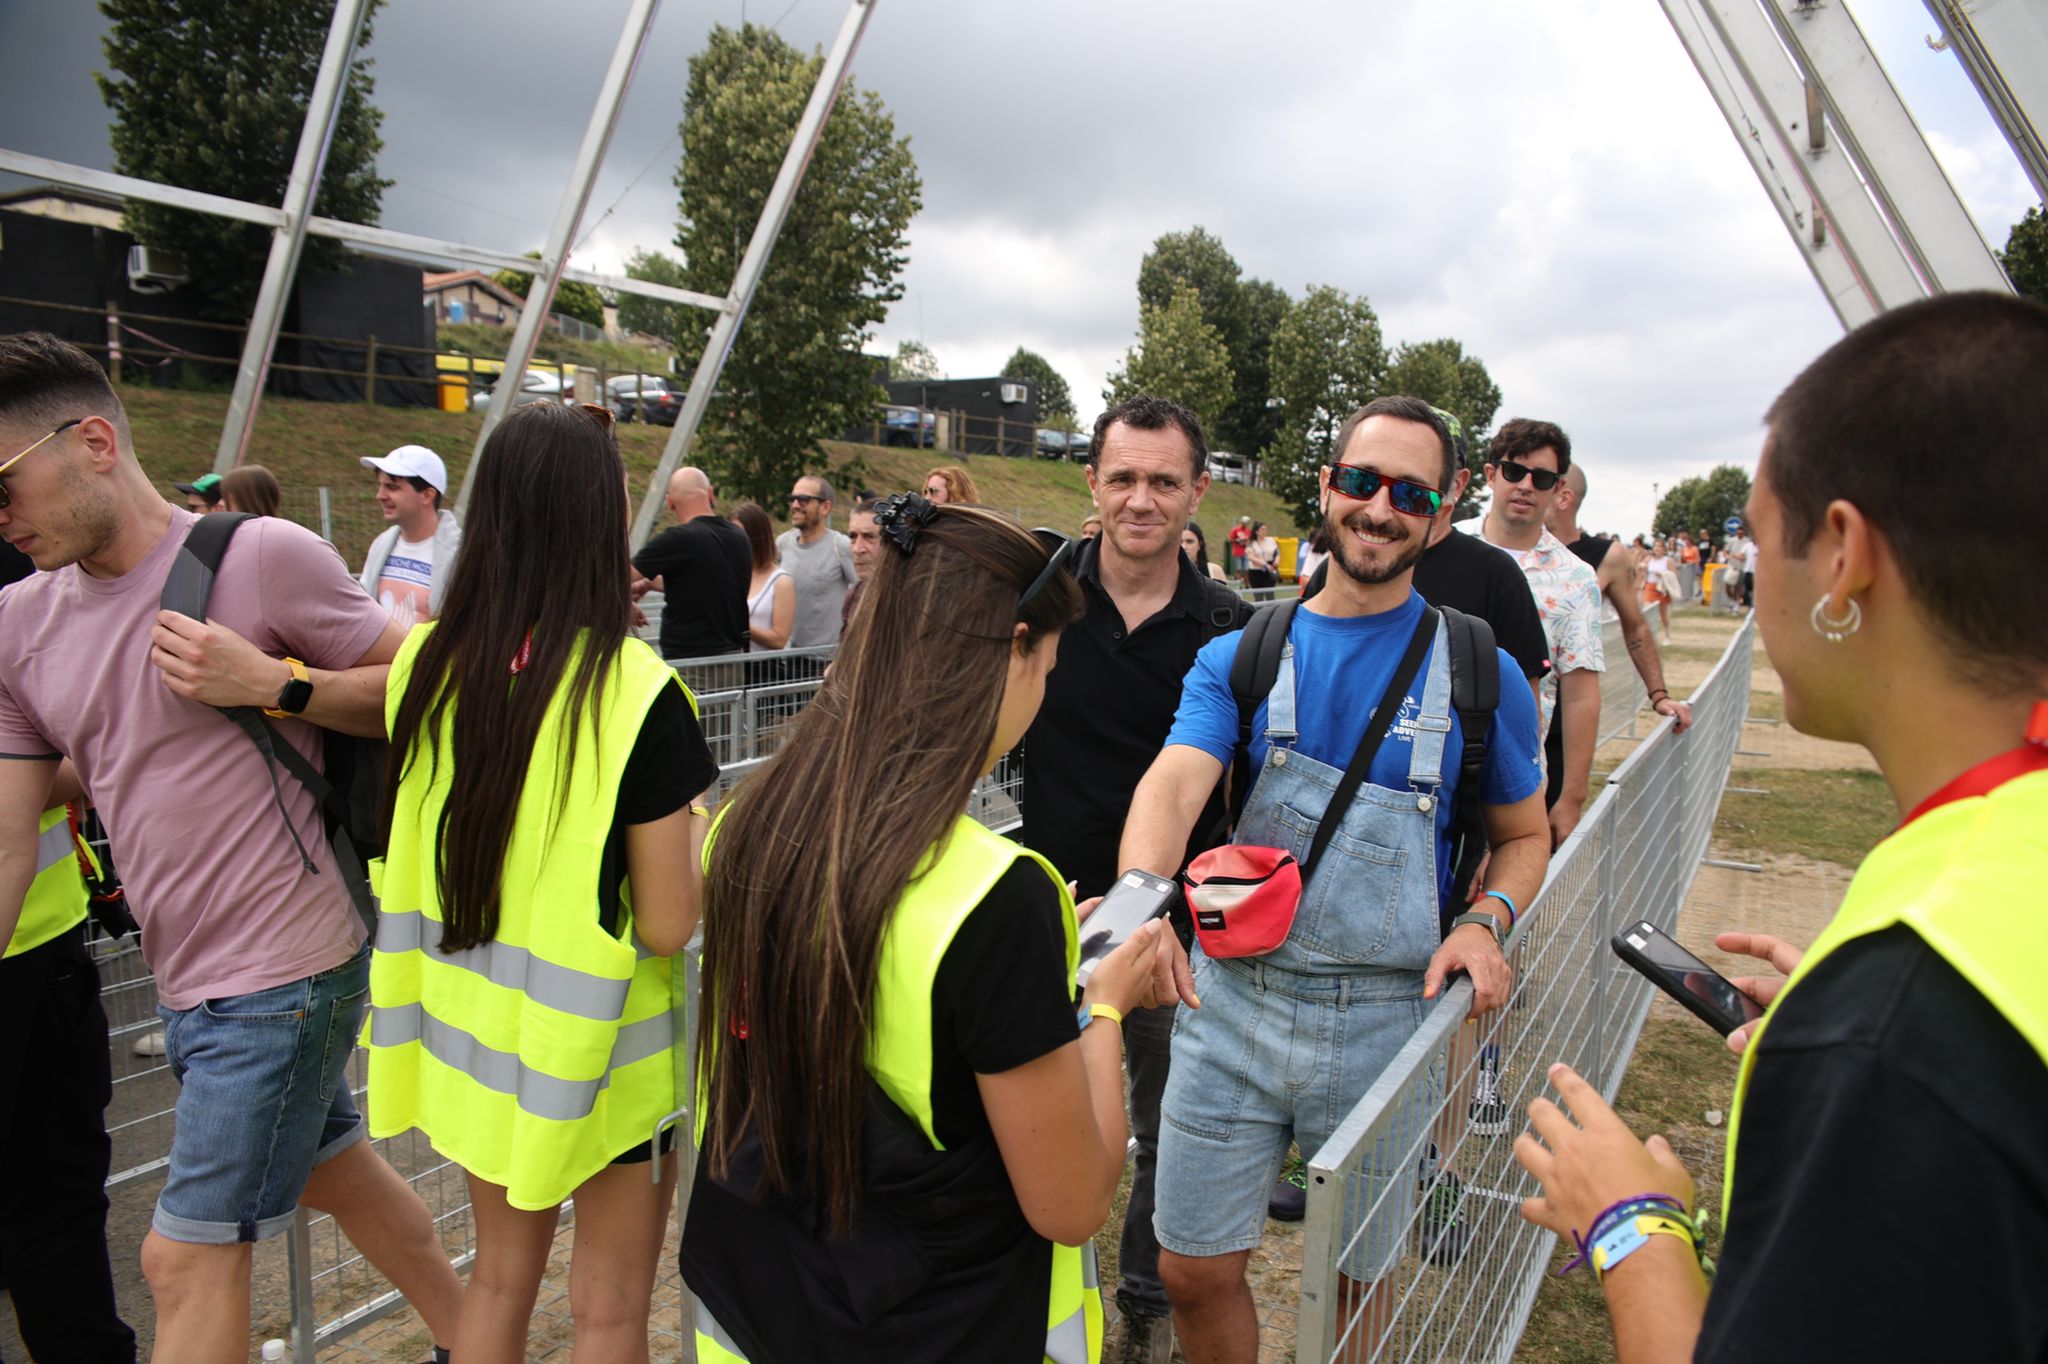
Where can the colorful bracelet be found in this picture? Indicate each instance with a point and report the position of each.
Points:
(1631, 1234)
(1653, 1204)
(1513, 913)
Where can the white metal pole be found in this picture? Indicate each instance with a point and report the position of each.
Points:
(2004, 50)
(774, 211)
(289, 238)
(597, 137)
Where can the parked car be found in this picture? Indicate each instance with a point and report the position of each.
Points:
(627, 394)
(539, 386)
(1225, 467)
(909, 426)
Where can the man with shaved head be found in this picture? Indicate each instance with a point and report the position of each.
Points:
(702, 564)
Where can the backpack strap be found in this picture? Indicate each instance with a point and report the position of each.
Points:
(190, 582)
(1253, 670)
(1226, 610)
(1475, 695)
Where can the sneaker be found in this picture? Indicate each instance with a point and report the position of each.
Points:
(1147, 1340)
(149, 1044)
(1489, 1113)
(1443, 1221)
(1289, 1202)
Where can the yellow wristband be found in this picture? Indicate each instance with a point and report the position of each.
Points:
(703, 810)
(1108, 1011)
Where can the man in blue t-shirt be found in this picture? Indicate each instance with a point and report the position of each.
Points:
(1281, 1047)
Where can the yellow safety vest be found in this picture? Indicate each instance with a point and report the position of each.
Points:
(535, 1059)
(937, 902)
(1958, 876)
(56, 900)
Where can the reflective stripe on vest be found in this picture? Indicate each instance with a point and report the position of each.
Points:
(56, 899)
(534, 1059)
(714, 1344)
(1949, 875)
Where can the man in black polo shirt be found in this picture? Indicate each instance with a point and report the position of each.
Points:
(1108, 707)
(702, 565)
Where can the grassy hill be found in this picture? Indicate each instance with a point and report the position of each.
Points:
(312, 445)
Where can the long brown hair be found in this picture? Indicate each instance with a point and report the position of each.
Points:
(251, 488)
(543, 559)
(959, 483)
(751, 518)
(817, 847)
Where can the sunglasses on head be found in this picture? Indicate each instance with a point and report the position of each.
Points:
(603, 416)
(1060, 549)
(24, 453)
(1544, 479)
(1363, 484)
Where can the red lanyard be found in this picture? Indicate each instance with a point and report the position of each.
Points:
(1988, 776)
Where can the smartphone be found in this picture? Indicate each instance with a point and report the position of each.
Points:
(1687, 979)
(1136, 899)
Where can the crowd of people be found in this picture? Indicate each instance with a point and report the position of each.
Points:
(911, 1116)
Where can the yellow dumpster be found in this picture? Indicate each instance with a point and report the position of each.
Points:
(454, 392)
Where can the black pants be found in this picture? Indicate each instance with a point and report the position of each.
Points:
(55, 1081)
(1148, 1034)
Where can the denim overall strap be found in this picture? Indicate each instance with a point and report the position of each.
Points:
(1280, 728)
(1433, 724)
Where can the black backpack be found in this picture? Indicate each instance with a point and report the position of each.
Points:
(351, 787)
(1475, 693)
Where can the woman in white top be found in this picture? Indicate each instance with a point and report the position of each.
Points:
(1262, 556)
(771, 595)
(1660, 585)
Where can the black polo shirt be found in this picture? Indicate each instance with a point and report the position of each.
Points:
(1109, 703)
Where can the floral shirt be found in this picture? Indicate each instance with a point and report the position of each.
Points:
(1567, 593)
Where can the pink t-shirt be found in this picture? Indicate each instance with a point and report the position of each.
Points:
(225, 907)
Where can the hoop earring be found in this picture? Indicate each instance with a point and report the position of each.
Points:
(1835, 631)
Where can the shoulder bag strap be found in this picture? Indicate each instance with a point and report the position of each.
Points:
(1369, 743)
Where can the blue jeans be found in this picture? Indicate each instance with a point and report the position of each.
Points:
(262, 1099)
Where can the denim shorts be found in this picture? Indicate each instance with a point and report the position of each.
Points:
(262, 1099)
(1272, 1056)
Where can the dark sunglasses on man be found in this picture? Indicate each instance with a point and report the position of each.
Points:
(1544, 479)
(1362, 484)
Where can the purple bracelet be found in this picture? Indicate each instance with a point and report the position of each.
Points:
(1627, 1207)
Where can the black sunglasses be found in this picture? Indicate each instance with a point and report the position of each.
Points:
(1544, 479)
(1363, 484)
(804, 499)
(1061, 549)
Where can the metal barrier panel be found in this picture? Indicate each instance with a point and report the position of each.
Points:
(1622, 692)
(1414, 1245)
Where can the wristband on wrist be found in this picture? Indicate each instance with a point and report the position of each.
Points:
(1650, 1204)
(1631, 1234)
(1502, 896)
(1088, 1013)
(1656, 692)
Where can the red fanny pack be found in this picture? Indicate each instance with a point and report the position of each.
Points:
(1243, 896)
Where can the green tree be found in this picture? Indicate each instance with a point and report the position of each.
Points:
(914, 360)
(653, 316)
(796, 374)
(1244, 312)
(2025, 257)
(1178, 356)
(1702, 501)
(1055, 403)
(572, 297)
(1328, 360)
(210, 95)
(1440, 373)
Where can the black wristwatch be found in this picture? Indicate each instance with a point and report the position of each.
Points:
(1480, 916)
(297, 692)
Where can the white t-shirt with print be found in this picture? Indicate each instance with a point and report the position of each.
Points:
(405, 581)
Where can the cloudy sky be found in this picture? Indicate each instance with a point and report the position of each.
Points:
(1550, 183)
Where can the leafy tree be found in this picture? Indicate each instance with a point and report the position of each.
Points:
(1244, 313)
(652, 316)
(796, 374)
(572, 297)
(210, 95)
(1055, 403)
(1178, 356)
(1328, 361)
(1695, 502)
(914, 360)
(2025, 257)
(1439, 372)
(1253, 421)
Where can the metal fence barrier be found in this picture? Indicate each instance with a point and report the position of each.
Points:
(1414, 1246)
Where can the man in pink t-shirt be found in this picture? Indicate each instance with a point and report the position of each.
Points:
(261, 966)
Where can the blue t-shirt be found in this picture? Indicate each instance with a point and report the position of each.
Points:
(1342, 666)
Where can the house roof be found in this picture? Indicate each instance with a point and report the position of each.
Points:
(434, 281)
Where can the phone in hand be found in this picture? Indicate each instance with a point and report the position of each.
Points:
(1137, 898)
(1683, 976)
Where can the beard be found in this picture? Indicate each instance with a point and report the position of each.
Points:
(1405, 548)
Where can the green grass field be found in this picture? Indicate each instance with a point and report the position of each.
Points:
(311, 445)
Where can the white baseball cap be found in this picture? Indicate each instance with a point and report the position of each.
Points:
(412, 461)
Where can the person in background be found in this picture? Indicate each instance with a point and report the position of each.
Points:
(771, 593)
(408, 566)
(950, 483)
(1659, 586)
(1262, 555)
(1091, 526)
(821, 561)
(1195, 545)
(702, 564)
(1750, 552)
(202, 494)
(1891, 1100)
(866, 541)
(550, 818)
(250, 488)
(1314, 550)
(1240, 536)
(908, 1136)
(1688, 568)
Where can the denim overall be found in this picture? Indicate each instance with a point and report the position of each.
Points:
(1287, 1043)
